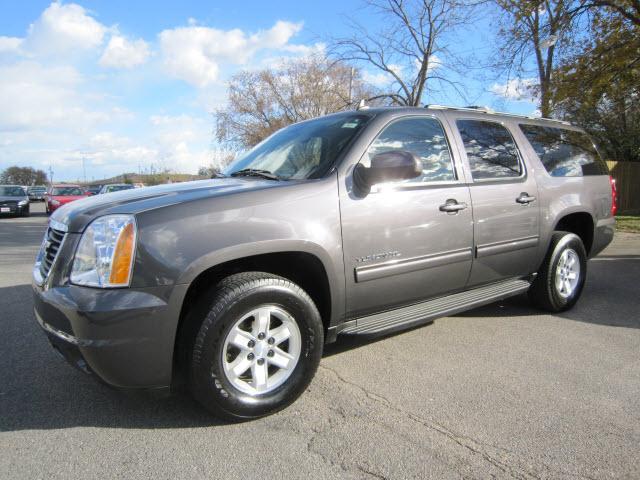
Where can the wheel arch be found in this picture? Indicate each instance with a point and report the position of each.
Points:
(580, 223)
(306, 269)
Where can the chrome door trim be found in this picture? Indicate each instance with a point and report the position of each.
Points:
(506, 246)
(396, 267)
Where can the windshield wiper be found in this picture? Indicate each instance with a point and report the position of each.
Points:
(255, 172)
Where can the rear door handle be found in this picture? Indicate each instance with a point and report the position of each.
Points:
(525, 198)
(452, 206)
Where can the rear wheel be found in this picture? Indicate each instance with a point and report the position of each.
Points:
(561, 278)
(257, 348)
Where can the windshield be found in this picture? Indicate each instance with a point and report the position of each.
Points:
(12, 192)
(67, 191)
(115, 188)
(303, 150)
(37, 189)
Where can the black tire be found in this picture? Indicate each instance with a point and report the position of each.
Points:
(544, 293)
(234, 297)
(26, 213)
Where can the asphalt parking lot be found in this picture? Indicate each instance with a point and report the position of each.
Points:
(503, 391)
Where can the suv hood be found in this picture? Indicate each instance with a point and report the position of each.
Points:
(77, 215)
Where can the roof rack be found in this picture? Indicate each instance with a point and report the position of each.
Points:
(478, 108)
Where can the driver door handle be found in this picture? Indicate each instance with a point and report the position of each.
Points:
(525, 198)
(452, 206)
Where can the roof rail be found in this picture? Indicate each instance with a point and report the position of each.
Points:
(477, 108)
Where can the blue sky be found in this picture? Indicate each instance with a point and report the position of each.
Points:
(131, 85)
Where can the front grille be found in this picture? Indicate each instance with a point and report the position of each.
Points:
(8, 203)
(50, 249)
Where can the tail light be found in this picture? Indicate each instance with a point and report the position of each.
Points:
(614, 196)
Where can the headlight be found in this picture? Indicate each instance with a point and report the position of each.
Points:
(55, 202)
(22, 203)
(104, 257)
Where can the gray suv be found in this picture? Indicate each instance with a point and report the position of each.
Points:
(359, 223)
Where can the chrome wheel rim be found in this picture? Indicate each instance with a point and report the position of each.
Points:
(567, 273)
(261, 350)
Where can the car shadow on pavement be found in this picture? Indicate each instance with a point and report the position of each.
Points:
(39, 390)
(609, 298)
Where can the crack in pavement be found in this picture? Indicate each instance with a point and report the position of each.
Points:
(474, 446)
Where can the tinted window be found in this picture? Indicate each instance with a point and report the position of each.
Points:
(12, 192)
(490, 148)
(117, 188)
(565, 153)
(425, 138)
(303, 150)
(64, 191)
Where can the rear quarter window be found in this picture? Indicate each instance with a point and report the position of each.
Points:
(491, 150)
(565, 153)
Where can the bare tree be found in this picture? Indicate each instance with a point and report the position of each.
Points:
(263, 101)
(412, 49)
(532, 33)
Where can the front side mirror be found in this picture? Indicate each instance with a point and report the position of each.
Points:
(389, 166)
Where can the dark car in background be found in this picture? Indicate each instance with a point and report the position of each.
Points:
(116, 187)
(37, 193)
(93, 189)
(13, 201)
(59, 195)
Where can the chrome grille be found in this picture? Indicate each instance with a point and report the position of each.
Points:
(50, 248)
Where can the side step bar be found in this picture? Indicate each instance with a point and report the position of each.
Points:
(424, 312)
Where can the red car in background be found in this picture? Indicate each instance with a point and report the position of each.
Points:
(58, 195)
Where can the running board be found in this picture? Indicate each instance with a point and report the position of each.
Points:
(424, 312)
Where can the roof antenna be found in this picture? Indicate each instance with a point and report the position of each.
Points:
(362, 105)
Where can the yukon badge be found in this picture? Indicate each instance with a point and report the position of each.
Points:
(378, 256)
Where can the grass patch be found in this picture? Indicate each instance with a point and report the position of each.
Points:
(628, 223)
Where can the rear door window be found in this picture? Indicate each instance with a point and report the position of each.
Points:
(491, 150)
(564, 153)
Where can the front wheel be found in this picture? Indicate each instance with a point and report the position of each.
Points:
(257, 348)
(562, 275)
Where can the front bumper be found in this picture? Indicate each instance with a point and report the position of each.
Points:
(14, 209)
(124, 336)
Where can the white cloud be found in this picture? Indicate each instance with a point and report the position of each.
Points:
(35, 96)
(306, 50)
(194, 53)
(10, 44)
(59, 108)
(64, 28)
(515, 89)
(381, 79)
(109, 149)
(123, 53)
(182, 141)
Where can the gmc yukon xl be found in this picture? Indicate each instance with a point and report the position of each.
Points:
(359, 223)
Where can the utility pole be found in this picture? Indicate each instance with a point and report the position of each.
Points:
(353, 72)
(51, 174)
(84, 170)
